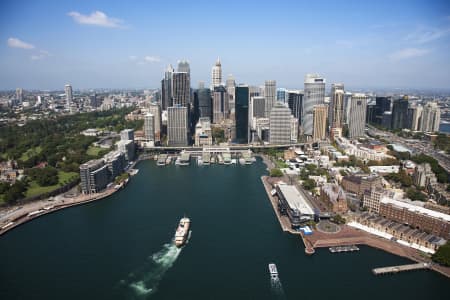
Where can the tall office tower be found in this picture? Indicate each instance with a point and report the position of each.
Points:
(177, 126)
(127, 134)
(19, 95)
(220, 104)
(320, 113)
(280, 124)
(400, 113)
(414, 117)
(314, 94)
(371, 113)
(431, 117)
(270, 93)
(181, 91)
(149, 127)
(336, 107)
(216, 74)
(69, 96)
(231, 85)
(294, 129)
(166, 88)
(357, 117)
(382, 105)
(241, 111)
(257, 107)
(183, 66)
(347, 101)
(282, 95)
(155, 110)
(201, 85)
(204, 103)
(295, 102)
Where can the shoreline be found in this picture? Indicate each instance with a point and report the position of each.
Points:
(348, 236)
(46, 207)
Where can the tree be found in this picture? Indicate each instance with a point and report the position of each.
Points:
(309, 184)
(442, 255)
(276, 172)
(414, 195)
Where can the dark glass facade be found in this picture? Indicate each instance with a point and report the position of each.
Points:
(241, 112)
(400, 114)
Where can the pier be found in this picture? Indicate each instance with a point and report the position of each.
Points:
(403, 268)
(339, 249)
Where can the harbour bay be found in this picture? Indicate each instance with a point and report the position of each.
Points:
(120, 247)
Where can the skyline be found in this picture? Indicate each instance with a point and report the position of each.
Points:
(45, 45)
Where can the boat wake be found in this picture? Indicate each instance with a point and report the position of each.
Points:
(143, 282)
(277, 288)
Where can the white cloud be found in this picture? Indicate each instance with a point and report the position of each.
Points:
(427, 34)
(408, 53)
(41, 55)
(152, 59)
(96, 18)
(16, 43)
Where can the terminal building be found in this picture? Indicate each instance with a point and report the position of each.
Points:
(294, 204)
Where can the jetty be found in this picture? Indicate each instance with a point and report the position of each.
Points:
(403, 268)
(339, 249)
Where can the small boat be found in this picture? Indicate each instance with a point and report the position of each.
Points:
(182, 232)
(273, 271)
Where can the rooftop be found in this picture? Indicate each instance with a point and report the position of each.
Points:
(414, 208)
(295, 199)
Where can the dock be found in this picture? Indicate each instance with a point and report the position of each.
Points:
(403, 268)
(339, 249)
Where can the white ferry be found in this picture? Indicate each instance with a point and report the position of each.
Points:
(273, 271)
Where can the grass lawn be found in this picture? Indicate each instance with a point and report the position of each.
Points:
(93, 151)
(281, 164)
(30, 152)
(35, 189)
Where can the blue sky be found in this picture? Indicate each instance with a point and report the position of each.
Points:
(128, 44)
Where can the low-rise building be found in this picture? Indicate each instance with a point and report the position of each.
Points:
(294, 204)
(334, 196)
(203, 136)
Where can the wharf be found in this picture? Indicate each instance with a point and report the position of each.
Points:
(339, 249)
(403, 268)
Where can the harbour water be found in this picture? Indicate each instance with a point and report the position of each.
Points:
(444, 128)
(120, 247)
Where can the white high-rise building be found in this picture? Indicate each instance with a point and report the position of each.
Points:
(294, 129)
(415, 117)
(357, 116)
(431, 117)
(149, 127)
(270, 94)
(177, 126)
(19, 94)
(231, 85)
(216, 74)
(69, 96)
(220, 106)
(314, 94)
(280, 125)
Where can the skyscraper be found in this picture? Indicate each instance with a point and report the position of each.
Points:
(282, 95)
(295, 102)
(270, 93)
(183, 66)
(230, 85)
(241, 111)
(257, 107)
(431, 117)
(320, 113)
(414, 117)
(357, 116)
(127, 134)
(220, 104)
(181, 90)
(19, 95)
(149, 127)
(204, 103)
(382, 105)
(216, 74)
(314, 94)
(177, 126)
(336, 108)
(280, 124)
(155, 110)
(166, 88)
(69, 97)
(400, 113)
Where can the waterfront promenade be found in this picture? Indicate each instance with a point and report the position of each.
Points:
(346, 236)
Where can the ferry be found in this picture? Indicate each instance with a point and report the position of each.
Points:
(182, 232)
(273, 271)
